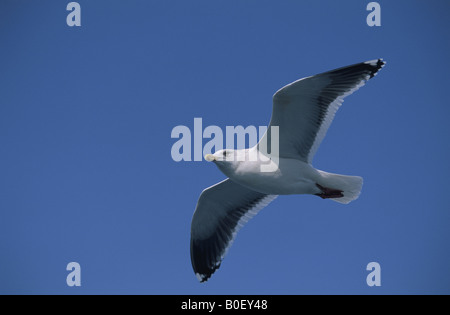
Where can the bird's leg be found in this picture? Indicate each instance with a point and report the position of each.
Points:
(329, 192)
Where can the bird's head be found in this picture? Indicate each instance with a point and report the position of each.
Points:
(226, 160)
(226, 155)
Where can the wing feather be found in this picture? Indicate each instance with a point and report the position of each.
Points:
(304, 109)
(221, 211)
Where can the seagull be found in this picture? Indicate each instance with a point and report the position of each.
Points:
(301, 115)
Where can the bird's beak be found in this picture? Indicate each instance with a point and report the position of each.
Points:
(210, 157)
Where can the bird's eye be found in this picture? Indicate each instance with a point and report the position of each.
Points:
(224, 153)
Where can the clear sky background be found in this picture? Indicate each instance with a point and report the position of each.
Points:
(86, 173)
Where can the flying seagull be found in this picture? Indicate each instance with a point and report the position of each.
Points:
(302, 113)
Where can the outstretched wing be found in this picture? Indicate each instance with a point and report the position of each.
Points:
(221, 211)
(304, 109)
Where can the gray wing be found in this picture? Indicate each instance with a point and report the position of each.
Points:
(221, 211)
(304, 109)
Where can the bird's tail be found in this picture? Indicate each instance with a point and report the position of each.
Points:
(349, 185)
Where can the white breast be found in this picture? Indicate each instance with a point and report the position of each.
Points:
(290, 176)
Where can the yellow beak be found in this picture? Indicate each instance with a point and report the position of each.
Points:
(210, 157)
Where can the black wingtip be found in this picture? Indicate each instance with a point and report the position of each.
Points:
(375, 65)
(205, 277)
(205, 258)
(206, 273)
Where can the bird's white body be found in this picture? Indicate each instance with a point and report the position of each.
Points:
(283, 181)
(289, 176)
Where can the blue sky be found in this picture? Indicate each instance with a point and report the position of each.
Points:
(86, 173)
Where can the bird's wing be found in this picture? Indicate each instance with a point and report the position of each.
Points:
(304, 109)
(221, 211)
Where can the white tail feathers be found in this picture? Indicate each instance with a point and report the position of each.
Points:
(350, 185)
